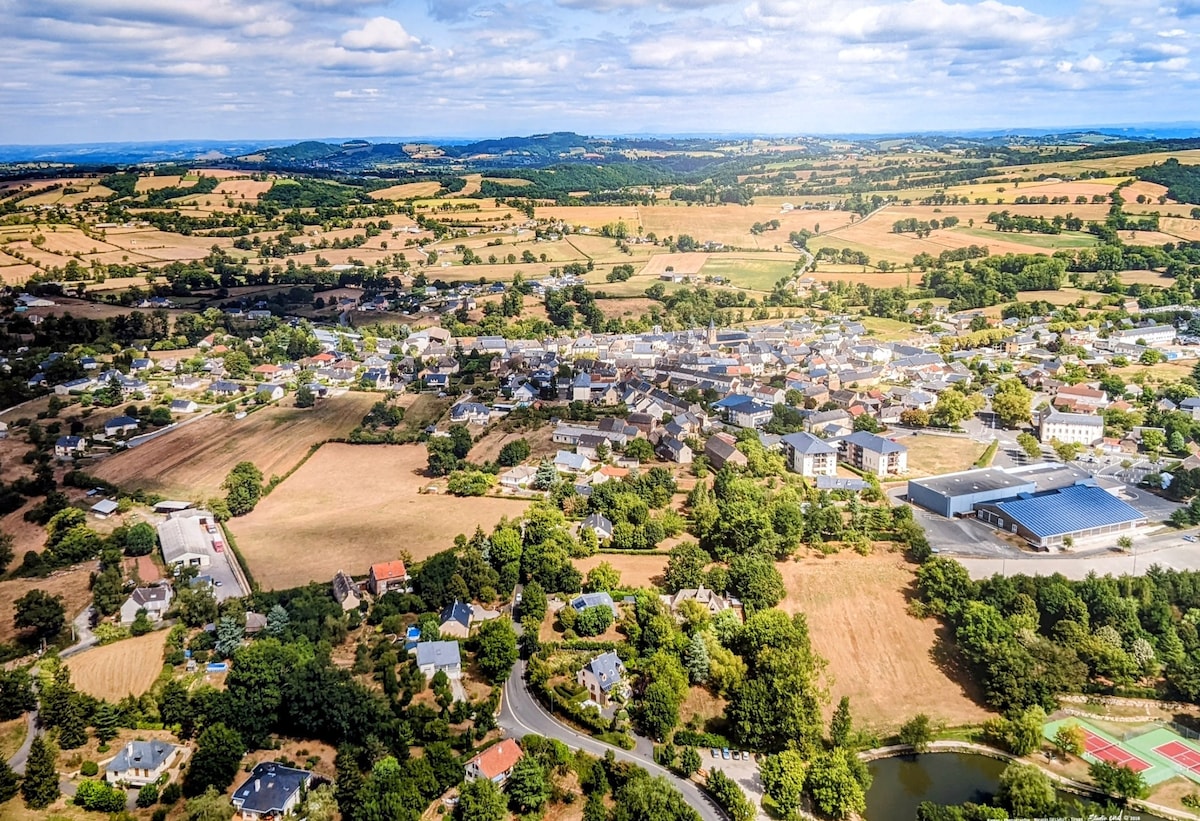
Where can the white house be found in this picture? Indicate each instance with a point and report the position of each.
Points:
(874, 454)
(1071, 428)
(810, 455)
(154, 600)
(435, 656)
(140, 763)
(495, 763)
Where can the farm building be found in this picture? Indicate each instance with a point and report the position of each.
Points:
(271, 791)
(1046, 519)
(104, 508)
(185, 539)
(956, 494)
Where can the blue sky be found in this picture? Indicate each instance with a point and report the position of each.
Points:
(107, 70)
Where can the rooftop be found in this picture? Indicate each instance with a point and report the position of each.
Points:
(269, 788)
(972, 481)
(1068, 510)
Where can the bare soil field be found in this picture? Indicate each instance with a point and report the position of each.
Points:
(630, 308)
(71, 584)
(930, 454)
(126, 667)
(351, 506)
(891, 665)
(636, 570)
(192, 462)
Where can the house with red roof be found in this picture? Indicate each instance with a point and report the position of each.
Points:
(495, 763)
(387, 576)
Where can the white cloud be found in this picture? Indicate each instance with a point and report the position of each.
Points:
(379, 34)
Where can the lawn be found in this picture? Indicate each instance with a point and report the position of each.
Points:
(890, 664)
(755, 274)
(350, 506)
(1053, 242)
(930, 454)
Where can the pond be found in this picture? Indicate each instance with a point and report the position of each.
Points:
(901, 784)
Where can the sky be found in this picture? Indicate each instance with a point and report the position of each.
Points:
(76, 71)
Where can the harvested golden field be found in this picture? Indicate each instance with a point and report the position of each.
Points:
(636, 570)
(16, 274)
(930, 454)
(595, 216)
(407, 191)
(12, 733)
(680, 263)
(155, 183)
(191, 462)
(626, 308)
(124, 668)
(350, 506)
(1182, 228)
(71, 584)
(891, 665)
(243, 189)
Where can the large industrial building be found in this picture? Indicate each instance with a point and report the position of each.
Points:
(1042, 503)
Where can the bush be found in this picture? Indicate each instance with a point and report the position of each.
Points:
(171, 793)
(89, 768)
(99, 797)
(147, 796)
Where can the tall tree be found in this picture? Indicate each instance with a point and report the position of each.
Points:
(527, 787)
(841, 725)
(40, 613)
(497, 643)
(40, 786)
(219, 750)
(480, 800)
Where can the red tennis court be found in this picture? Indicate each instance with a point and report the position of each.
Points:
(1107, 751)
(1180, 754)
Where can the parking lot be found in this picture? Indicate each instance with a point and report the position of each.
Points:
(744, 772)
(225, 581)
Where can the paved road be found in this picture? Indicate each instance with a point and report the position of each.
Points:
(1165, 550)
(84, 637)
(17, 762)
(521, 714)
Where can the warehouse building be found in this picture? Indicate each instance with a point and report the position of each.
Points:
(1046, 519)
(956, 494)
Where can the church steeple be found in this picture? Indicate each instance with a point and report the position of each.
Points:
(712, 332)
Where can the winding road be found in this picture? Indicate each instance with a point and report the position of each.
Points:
(521, 714)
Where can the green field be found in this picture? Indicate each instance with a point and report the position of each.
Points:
(755, 274)
(1067, 239)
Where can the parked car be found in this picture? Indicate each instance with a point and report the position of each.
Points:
(725, 752)
(1189, 538)
(716, 753)
(736, 755)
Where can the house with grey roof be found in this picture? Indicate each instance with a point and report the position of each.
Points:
(810, 455)
(140, 762)
(439, 656)
(455, 620)
(154, 600)
(604, 679)
(271, 791)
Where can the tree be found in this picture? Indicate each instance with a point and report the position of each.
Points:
(689, 761)
(40, 787)
(592, 621)
(1012, 403)
(10, 783)
(243, 488)
(140, 540)
(16, 694)
(210, 805)
(1122, 782)
(841, 725)
(696, 659)
(278, 621)
(1153, 440)
(833, 786)
(40, 612)
(917, 732)
(1030, 444)
(639, 449)
(1026, 792)
(320, 805)
(756, 581)
(527, 787)
(602, 577)
(729, 796)
(305, 398)
(533, 602)
(6, 552)
(546, 475)
(148, 795)
(783, 780)
(219, 750)
(480, 800)
(497, 653)
(513, 453)
(72, 727)
(105, 722)
(685, 567)
(1069, 740)
(952, 407)
(230, 633)
(658, 709)
(651, 799)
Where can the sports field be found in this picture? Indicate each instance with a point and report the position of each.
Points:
(1157, 755)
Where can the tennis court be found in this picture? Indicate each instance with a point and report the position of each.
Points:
(1181, 754)
(1111, 752)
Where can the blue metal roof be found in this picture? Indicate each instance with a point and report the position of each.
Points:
(1068, 510)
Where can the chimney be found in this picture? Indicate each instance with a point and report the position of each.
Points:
(257, 784)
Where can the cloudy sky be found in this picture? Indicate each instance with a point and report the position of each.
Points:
(106, 70)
